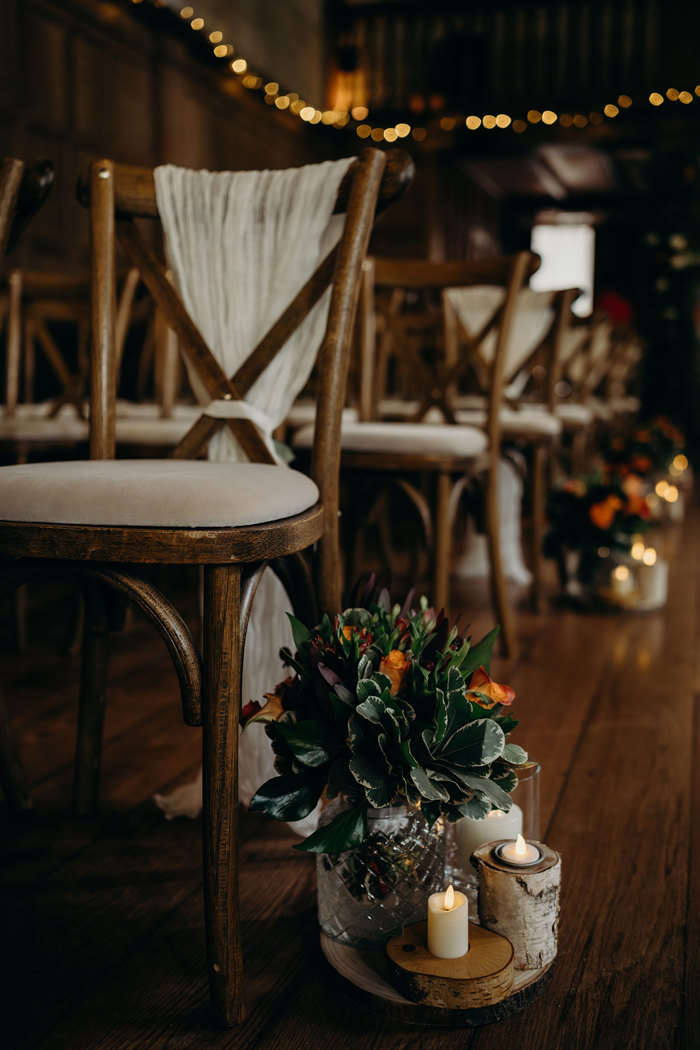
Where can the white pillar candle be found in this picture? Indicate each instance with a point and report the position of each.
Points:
(448, 924)
(519, 853)
(471, 834)
(652, 578)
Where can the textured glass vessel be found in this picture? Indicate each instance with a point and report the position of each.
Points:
(367, 894)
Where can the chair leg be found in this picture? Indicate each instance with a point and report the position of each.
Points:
(499, 593)
(12, 778)
(442, 529)
(93, 680)
(539, 453)
(222, 657)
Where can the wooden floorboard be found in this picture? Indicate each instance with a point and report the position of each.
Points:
(102, 917)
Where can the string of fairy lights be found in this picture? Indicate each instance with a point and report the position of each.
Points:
(357, 118)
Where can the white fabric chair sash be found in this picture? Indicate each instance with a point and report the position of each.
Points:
(532, 319)
(241, 246)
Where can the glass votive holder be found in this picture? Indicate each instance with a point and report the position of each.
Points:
(527, 796)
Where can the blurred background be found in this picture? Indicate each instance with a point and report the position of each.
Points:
(569, 127)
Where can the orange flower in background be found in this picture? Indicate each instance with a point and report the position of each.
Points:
(497, 694)
(641, 464)
(348, 632)
(603, 514)
(395, 666)
(272, 710)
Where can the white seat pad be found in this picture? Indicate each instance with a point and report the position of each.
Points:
(303, 412)
(154, 431)
(515, 423)
(438, 439)
(28, 427)
(153, 492)
(573, 415)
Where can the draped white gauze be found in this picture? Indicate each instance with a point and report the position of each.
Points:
(241, 246)
(533, 314)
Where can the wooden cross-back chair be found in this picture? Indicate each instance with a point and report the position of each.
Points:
(428, 460)
(230, 518)
(532, 428)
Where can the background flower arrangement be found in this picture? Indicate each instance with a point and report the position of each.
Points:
(649, 453)
(387, 705)
(595, 516)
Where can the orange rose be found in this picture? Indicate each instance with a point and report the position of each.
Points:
(497, 694)
(348, 632)
(603, 514)
(395, 666)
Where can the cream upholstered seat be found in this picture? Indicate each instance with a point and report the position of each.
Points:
(304, 412)
(431, 438)
(515, 423)
(153, 493)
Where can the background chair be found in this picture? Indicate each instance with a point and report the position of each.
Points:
(231, 518)
(408, 433)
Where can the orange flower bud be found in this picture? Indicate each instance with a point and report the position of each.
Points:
(497, 694)
(395, 666)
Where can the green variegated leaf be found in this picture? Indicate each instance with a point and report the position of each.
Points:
(475, 744)
(346, 831)
(289, 797)
(431, 812)
(507, 723)
(476, 808)
(485, 788)
(514, 754)
(429, 789)
(367, 688)
(372, 709)
(441, 717)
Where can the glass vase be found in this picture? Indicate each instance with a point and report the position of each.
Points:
(368, 894)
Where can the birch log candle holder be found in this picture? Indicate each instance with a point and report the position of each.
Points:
(521, 902)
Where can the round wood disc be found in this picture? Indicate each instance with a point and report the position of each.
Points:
(481, 977)
(366, 979)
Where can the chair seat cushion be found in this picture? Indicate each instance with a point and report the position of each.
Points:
(516, 423)
(153, 493)
(438, 439)
(303, 412)
(155, 431)
(30, 425)
(572, 415)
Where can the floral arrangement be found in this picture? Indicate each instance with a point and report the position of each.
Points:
(386, 705)
(600, 513)
(654, 450)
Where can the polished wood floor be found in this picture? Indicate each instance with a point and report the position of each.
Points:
(102, 930)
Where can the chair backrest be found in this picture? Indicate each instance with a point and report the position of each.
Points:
(402, 318)
(117, 195)
(22, 192)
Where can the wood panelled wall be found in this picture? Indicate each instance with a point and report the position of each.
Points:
(86, 78)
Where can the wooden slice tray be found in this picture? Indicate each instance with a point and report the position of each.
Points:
(366, 978)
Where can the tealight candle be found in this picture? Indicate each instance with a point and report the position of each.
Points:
(448, 924)
(520, 854)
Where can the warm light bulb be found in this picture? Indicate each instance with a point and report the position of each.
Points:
(239, 65)
(197, 23)
(449, 899)
(649, 556)
(621, 572)
(661, 487)
(611, 110)
(672, 94)
(680, 462)
(360, 112)
(655, 98)
(520, 846)
(473, 122)
(549, 117)
(216, 37)
(402, 130)
(671, 494)
(637, 551)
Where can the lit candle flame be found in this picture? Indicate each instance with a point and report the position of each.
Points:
(520, 846)
(449, 899)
